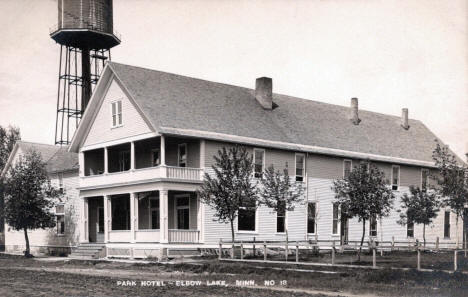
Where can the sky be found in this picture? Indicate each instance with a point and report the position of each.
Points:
(389, 54)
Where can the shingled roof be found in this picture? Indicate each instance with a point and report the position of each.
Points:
(57, 158)
(176, 101)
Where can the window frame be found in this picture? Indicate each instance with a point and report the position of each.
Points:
(408, 224)
(263, 162)
(302, 176)
(152, 157)
(344, 166)
(284, 224)
(422, 179)
(121, 160)
(60, 214)
(445, 224)
(399, 175)
(255, 221)
(337, 219)
(314, 217)
(374, 218)
(179, 157)
(177, 207)
(118, 116)
(150, 210)
(60, 182)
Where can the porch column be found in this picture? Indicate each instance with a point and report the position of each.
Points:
(85, 233)
(163, 216)
(81, 162)
(202, 154)
(106, 218)
(163, 151)
(106, 161)
(132, 216)
(132, 155)
(200, 215)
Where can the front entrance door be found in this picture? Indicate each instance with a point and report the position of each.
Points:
(100, 224)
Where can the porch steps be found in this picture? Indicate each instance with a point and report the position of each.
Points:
(88, 251)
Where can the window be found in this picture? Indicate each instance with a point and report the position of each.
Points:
(117, 113)
(259, 162)
(373, 227)
(395, 177)
(311, 213)
(281, 220)
(246, 217)
(335, 218)
(182, 155)
(410, 229)
(347, 167)
(124, 160)
(60, 217)
(154, 213)
(424, 176)
(155, 160)
(300, 167)
(120, 209)
(447, 224)
(183, 212)
(60, 182)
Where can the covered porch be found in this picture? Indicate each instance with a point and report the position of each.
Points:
(159, 216)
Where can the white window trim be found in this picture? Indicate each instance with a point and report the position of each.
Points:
(307, 217)
(450, 224)
(64, 220)
(112, 115)
(176, 207)
(276, 223)
(121, 153)
(263, 160)
(344, 167)
(152, 157)
(399, 174)
(247, 231)
(376, 228)
(150, 209)
(338, 225)
(407, 231)
(427, 177)
(303, 166)
(178, 154)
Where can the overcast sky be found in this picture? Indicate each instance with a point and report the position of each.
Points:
(389, 54)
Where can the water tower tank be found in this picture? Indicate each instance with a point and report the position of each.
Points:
(85, 24)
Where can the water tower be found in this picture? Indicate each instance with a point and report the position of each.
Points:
(85, 33)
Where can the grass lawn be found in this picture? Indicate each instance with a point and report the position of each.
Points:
(29, 277)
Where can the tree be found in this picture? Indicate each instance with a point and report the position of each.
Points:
(231, 186)
(420, 207)
(364, 194)
(278, 192)
(452, 181)
(29, 196)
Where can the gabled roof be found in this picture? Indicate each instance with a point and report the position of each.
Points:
(178, 103)
(57, 158)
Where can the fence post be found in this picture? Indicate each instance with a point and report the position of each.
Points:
(286, 250)
(264, 251)
(393, 242)
(464, 243)
(253, 248)
(374, 261)
(297, 251)
(455, 260)
(220, 254)
(437, 243)
(419, 258)
(232, 250)
(242, 251)
(333, 252)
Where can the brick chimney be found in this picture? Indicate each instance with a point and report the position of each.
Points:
(404, 118)
(264, 92)
(354, 116)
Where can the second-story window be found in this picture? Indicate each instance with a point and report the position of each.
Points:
(155, 160)
(347, 167)
(124, 160)
(182, 155)
(424, 176)
(300, 161)
(116, 113)
(395, 177)
(259, 162)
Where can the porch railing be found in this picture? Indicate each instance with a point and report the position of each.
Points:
(185, 173)
(183, 236)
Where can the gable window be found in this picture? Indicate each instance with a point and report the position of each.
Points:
(311, 213)
(117, 113)
(373, 226)
(124, 160)
(347, 167)
(281, 220)
(154, 213)
(182, 155)
(300, 162)
(155, 158)
(60, 217)
(395, 177)
(259, 162)
(424, 176)
(447, 224)
(246, 217)
(410, 229)
(335, 218)
(183, 212)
